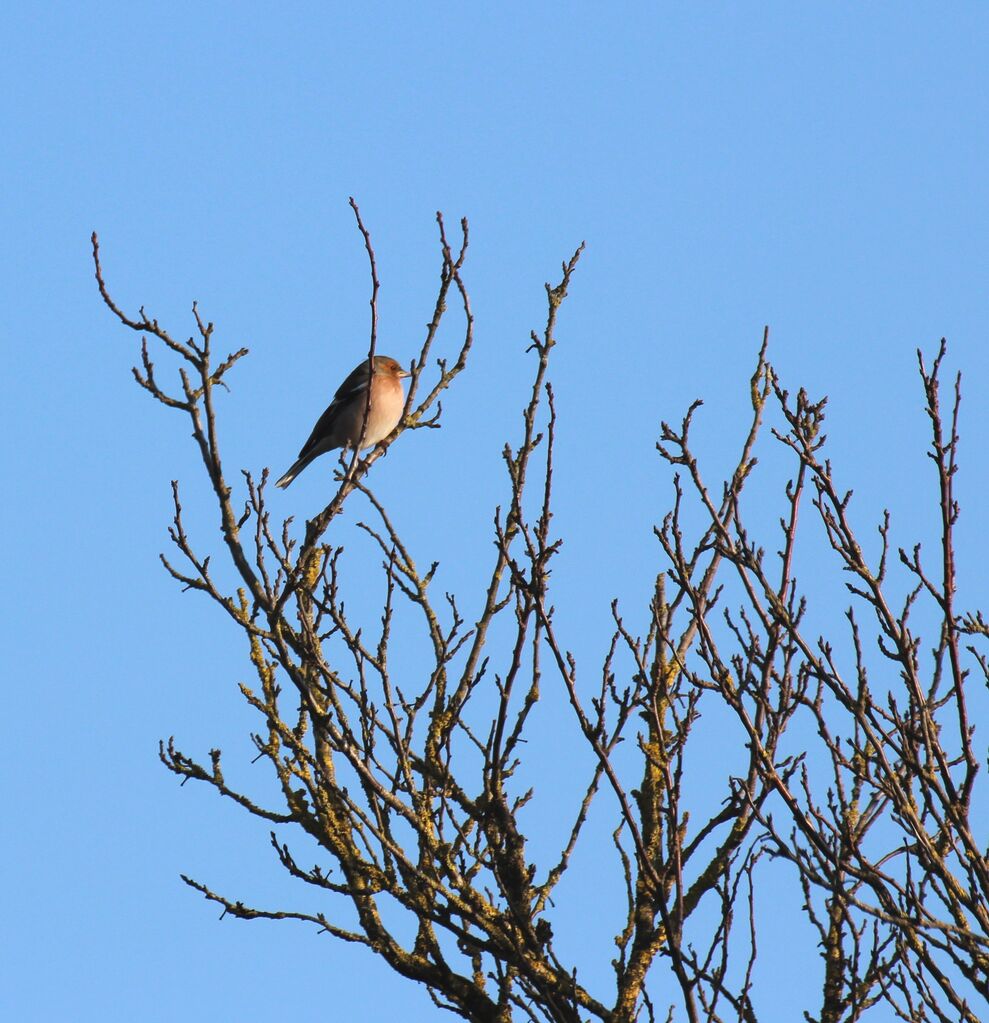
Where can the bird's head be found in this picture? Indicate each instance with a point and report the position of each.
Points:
(387, 366)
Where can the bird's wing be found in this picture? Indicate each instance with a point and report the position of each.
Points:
(354, 386)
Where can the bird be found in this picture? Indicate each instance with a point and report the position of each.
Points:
(340, 425)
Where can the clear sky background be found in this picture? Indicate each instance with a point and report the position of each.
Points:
(818, 168)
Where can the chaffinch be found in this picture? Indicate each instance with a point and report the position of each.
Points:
(340, 425)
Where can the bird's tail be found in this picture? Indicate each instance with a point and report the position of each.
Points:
(297, 466)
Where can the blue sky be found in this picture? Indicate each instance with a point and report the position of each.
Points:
(821, 169)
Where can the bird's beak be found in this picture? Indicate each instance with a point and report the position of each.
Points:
(404, 373)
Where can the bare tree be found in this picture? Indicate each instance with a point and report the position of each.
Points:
(412, 793)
